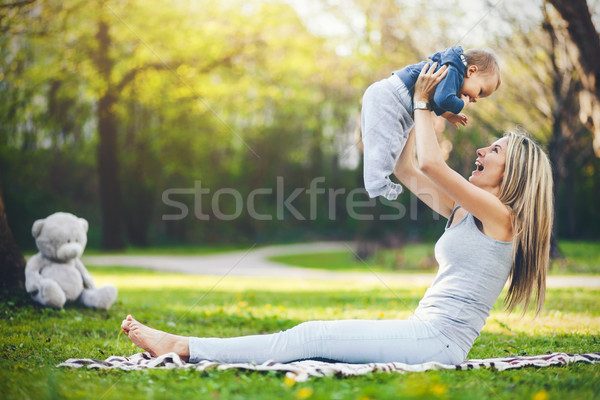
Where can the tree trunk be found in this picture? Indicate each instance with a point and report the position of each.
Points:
(12, 262)
(584, 35)
(108, 168)
(554, 150)
(571, 223)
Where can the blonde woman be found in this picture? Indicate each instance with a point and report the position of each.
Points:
(499, 223)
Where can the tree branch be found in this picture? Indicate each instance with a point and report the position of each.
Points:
(17, 4)
(172, 66)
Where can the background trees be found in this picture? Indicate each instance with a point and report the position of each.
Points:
(106, 106)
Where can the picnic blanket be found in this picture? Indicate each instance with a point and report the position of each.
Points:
(301, 371)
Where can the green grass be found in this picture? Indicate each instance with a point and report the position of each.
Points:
(580, 257)
(35, 339)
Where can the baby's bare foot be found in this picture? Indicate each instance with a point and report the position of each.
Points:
(154, 341)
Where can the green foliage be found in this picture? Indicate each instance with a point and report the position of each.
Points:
(579, 257)
(34, 340)
(234, 95)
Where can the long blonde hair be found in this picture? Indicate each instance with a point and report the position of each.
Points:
(526, 188)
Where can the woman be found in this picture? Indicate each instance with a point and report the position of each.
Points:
(499, 224)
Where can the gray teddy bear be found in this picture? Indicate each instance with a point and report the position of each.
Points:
(56, 275)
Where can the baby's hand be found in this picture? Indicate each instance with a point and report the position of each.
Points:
(456, 119)
(466, 99)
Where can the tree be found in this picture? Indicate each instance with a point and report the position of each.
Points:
(108, 167)
(542, 91)
(104, 62)
(584, 35)
(12, 262)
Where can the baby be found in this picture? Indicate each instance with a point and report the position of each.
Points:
(387, 109)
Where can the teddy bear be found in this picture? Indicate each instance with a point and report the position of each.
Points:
(56, 275)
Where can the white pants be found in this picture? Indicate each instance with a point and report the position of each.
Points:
(409, 341)
(386, 121)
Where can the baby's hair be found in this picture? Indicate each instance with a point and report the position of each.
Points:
(486, 61)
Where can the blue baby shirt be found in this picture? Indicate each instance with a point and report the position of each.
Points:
(445, 97)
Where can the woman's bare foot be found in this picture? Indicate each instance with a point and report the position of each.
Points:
(154, 341)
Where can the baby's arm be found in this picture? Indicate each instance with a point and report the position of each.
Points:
(448, 97)
(446, 93)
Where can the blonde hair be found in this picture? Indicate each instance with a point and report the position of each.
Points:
(526, 188)
(485, 60)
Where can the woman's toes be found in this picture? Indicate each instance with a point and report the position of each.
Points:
(126, 325)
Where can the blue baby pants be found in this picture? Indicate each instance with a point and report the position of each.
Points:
(409, 341)
(386, 121)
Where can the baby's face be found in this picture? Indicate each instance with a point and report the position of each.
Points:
(478, 85)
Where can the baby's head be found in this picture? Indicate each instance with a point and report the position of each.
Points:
(483, 74)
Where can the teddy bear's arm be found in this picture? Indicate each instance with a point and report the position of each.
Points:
(32, 273)
(88, 281)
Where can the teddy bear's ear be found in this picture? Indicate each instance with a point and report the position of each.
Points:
(37, 227)
(84, 223)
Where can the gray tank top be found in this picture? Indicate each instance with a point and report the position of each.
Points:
(473, 269)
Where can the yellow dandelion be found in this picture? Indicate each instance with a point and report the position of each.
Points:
(268, 306)
(289, 382)
(304, 393)
(280, 308)
(541, 395)
(243, 304)
(381, 315)
(439, 389)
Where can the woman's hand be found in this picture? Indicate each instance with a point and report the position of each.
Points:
(428, 80)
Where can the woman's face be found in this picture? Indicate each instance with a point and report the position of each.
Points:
(490, 166)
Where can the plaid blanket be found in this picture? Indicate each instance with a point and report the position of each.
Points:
(301, 371)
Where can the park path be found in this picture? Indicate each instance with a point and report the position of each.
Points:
(254, 263)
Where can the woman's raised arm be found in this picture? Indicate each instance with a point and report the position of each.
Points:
(484, 205)
(419, 184)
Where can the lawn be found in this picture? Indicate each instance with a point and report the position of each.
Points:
(34, 340)
(579, 258)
